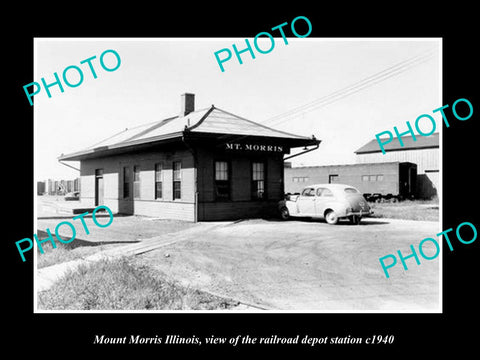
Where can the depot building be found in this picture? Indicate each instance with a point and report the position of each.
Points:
(205, 164)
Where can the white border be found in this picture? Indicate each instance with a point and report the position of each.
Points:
(436, 311)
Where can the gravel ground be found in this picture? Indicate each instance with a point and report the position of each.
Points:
(307, 265)
(304, 265)
(51, 210)
(123, 230)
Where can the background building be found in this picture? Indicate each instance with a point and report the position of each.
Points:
(409, 171)
(387, 179)
(58, 187)
(424, 152)
(41, 187)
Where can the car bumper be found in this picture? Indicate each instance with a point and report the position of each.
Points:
(359, 213)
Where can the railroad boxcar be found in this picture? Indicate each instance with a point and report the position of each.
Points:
(373, 180)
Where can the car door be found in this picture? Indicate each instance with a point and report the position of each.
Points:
(324, 197)
(306, 202)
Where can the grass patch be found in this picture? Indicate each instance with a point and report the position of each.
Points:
(76, 249)
(125, 230)
(120, 284)
(426, 210)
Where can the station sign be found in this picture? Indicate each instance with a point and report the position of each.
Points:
(254, 147)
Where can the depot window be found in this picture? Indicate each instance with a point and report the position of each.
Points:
(258, 181)
(177, 180)
(222, 180)
(136, 182)
(158, 181)
(126, 182)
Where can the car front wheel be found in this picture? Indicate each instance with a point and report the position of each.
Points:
(331, 217)
(284, 214)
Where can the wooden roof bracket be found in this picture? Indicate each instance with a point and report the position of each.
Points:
(304, 152)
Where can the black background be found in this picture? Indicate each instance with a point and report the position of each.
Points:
(63, 335)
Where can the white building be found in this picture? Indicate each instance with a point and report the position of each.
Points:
(424, 151)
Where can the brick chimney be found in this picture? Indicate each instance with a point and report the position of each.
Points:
(187, 104)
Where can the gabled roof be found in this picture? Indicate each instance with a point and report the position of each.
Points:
(422, 142)
(205, 121)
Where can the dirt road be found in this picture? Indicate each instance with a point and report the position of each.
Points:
(307, 265)
(294, 265)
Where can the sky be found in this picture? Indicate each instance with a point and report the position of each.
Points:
(154, 73)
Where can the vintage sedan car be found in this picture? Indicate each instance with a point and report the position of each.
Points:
(328, 201)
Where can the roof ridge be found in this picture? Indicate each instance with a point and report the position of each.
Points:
(169, 118)
(122, 131)
(202, 119)
(430, 141)
(261, 125)
(153, 127)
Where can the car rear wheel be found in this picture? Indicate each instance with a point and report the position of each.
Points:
(331, 217)
(284, 214)
(355, 219)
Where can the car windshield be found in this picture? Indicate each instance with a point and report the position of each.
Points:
(351, 191)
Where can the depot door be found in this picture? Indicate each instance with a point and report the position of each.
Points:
(98, 187)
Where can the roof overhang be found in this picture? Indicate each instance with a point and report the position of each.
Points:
(220, 139)
(190, 136)
(121, 148)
